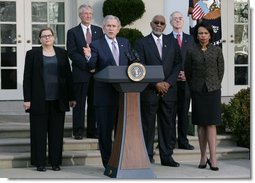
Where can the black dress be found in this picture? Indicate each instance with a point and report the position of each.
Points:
(206, 107)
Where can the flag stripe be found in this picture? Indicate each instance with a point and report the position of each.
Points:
(197, 12)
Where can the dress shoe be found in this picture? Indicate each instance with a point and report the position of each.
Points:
(41, 169)
(214, 168)
(92, 136)
(56, 168)
(202, 166)
(152, 160)
(171, 163)
(186, 146)
(78, 137)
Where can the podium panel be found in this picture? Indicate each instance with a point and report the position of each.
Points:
(129, 158)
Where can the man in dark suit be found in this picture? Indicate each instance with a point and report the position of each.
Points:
(183, 93)
(77, 38)
(159, 99)
(109, 50)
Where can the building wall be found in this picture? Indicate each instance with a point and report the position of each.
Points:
(166, 7)
(152, 8)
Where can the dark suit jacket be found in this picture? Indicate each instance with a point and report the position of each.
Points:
(33, 84)
(101, 57)
(187, 42)
(204, 68)
(171, 62)
(75, 43)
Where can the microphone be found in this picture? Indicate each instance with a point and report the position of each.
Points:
(137, 57)
(130, 57)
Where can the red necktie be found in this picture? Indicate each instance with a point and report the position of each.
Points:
(179, 40)
(88, 36)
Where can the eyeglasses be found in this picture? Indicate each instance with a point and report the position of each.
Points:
(46, 36)
(158, 22)
(177, 18)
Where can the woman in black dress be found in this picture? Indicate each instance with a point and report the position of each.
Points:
(204, 68)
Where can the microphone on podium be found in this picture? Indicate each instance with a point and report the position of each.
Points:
(133, 57)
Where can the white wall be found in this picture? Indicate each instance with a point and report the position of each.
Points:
(97, 6)
(173, 5)
(152, 8)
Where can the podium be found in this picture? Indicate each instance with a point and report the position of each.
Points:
(129, 158)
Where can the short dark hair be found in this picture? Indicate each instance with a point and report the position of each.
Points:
(207, 27)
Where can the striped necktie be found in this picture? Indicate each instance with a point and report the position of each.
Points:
(115, 52)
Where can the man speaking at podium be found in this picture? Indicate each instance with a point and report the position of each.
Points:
(109, 50)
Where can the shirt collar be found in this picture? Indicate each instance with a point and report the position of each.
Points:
(85, 27)
(109, 41)
(155, 37)
(175, 34)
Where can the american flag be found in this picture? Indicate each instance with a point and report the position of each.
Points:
(200, 9)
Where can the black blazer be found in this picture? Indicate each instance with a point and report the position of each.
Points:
(171, 62)
(204, 68)
(187, 42)
(75, 43)
(33, 83)
(101, 57)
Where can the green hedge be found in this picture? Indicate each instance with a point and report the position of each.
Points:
(236, 117)
(127, 11)
(131, 34)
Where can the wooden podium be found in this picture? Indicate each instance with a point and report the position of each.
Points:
(129, 158)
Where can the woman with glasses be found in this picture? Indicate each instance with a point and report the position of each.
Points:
(47, 89)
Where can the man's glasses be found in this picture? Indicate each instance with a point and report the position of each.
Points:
(177, 18)
(158, 22)
(46, 36)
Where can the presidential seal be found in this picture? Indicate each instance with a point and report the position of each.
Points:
(136, 71)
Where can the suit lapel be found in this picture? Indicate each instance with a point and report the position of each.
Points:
(164, 47)
(81, 35)
(184, 42)
(108, 51)
(121, 52)
(39, 60)
(153, 46)
(94, 33)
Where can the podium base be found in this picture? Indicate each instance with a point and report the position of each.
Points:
(129, 158)
(129, 173)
